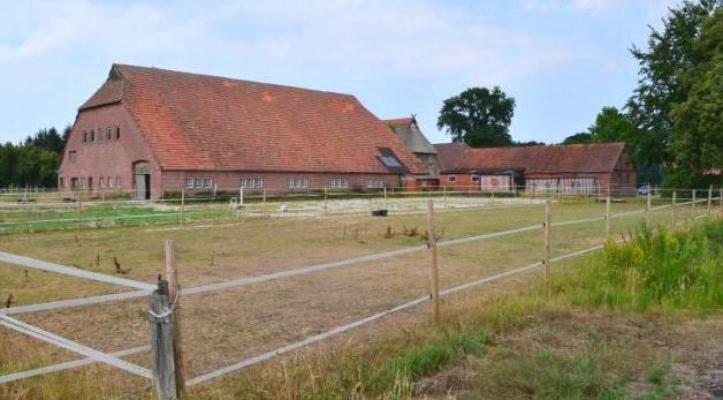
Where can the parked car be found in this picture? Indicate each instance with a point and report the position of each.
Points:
(644, 190)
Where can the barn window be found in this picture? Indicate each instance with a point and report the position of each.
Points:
(85, 136)
(189, 183)
(376, 184)
(108, 133)
(298, 183)
(101, 182)
(207, 183)
(198, 183)
(73, 156)
(252, 183)
(117, 133)
(92, 136)
(118, 181)
(475, 178)
(337, 183)
(452, 178)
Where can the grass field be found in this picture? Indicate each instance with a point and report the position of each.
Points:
(224, 327)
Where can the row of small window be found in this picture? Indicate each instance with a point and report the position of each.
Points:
(294, 183)
(199, 183)
(87, 183)
(453, 178)
(102, 135)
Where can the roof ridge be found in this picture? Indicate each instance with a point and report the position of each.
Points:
(224, 78)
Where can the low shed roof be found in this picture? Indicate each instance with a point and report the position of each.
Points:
(573, 158)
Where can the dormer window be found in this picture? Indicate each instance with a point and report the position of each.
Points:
(391, 161)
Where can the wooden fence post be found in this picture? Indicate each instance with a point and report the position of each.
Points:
(79, 206)
(675, 208)
(647, 208)
(692, 204)
(710, 201)
(240, 196)
(547, 226)
(183, 204)
(432, 244)
(326, 196)
(720, 198)
(164, 374)
(608, 218)
(174, 295)
(444, 195)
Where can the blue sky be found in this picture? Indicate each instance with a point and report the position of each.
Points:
(562, 60)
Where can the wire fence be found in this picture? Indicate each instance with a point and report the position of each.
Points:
(560, 232)
(46, 210)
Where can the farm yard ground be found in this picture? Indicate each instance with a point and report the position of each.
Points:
(224, 327)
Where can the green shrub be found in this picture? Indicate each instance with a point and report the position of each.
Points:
(664, 270)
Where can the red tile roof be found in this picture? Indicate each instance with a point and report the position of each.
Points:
(574, 158)
(194, 122)
(399, 121)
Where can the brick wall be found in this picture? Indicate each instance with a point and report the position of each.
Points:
(106, 158)
(174, 181)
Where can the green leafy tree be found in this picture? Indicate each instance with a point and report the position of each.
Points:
(669, 54)
(578, 138)
(612, 126)
(47, 139)
(697, 141)
(479, 117)
(34, 162)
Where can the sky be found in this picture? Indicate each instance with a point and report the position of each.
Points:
(562, 60)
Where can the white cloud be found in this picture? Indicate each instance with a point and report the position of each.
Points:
(402, 38)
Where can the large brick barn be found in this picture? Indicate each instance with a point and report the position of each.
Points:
(155, 131)
(580, 169)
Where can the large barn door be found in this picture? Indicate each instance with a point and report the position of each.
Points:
(142, 180)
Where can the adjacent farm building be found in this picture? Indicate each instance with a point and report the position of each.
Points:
(581, 169)
(157, 131)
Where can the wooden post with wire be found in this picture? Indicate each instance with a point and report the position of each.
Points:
(675, 208)
(710, 201)
(326, 197)
(183, 204)
(174, 296)
(164, 374)
(432, 244)
(608, 218)
(547, 226)
(647, 208)
(79, 207)
(692, 203)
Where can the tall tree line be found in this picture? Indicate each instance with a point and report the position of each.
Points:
(673, 121)
(33, 162)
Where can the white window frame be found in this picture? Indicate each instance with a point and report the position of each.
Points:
(207, 183)
(189, 183)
